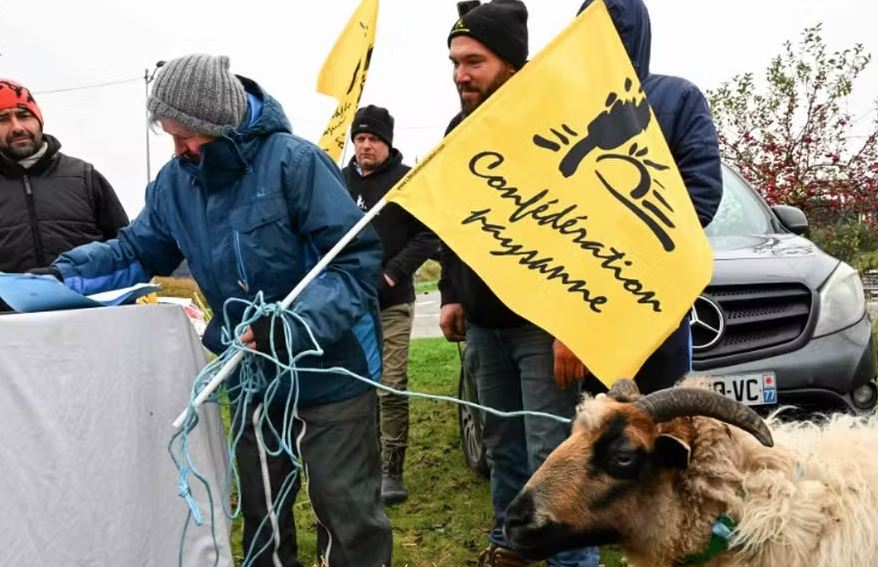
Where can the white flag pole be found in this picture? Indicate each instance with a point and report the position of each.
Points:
(232, 363)
(344, 151)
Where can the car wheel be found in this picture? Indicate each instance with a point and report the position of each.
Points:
(471, 422)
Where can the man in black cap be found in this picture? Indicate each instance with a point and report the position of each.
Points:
(373, 171)
(511, 359)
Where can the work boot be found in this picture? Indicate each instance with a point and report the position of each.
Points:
(496, 556)
(392, 489)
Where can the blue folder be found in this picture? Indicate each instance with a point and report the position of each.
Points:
(28, 293)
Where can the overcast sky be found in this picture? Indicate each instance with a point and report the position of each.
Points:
(59, 44)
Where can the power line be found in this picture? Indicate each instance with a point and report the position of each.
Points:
(84, 87)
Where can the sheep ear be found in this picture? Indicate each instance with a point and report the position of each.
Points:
(671, 451)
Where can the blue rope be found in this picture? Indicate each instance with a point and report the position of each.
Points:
(184, 489)
(253, 387)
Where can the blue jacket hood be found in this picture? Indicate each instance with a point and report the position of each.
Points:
(271, 118)
(232, 154)
(679, 107)
(632, 22)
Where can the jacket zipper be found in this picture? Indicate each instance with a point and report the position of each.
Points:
(39, 253)
(242, 271)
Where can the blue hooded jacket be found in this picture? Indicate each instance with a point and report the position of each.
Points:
(256, 213)
(679, 107)
(684, 117)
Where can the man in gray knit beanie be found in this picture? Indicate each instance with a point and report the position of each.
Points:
(199, 93)
(246, 203)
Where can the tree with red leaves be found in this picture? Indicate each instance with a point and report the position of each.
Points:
(795, 138)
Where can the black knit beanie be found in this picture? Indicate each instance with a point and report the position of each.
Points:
(374, 120)
(501, 25)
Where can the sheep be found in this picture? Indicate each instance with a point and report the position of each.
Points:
(652, 474)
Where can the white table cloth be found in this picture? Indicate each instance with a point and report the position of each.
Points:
(88, 397)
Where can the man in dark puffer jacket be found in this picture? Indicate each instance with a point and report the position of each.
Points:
(374, 170)
(49, 202)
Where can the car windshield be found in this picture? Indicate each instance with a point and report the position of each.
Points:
(741, 212)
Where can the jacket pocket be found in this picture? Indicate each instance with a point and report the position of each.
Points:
(262, 241)
(258, 213)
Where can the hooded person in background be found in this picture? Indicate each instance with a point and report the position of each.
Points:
(49, 202)
(510, 359)
(684, 117)
(373, 171)
(253, 208)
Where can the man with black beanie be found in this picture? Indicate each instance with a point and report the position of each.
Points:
(511, 359)
(373, 171)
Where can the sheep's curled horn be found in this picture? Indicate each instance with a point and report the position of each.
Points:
(624, 391)
(666, 405)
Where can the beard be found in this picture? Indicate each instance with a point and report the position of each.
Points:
(14, 149)
(367, 163)
(469, 106)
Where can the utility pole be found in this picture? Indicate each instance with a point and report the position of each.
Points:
(147, 79)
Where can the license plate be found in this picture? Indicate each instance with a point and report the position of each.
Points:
(750, 389)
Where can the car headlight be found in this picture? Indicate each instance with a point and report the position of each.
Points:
(842, 301)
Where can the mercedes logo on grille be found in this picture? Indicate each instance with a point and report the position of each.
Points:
(707, 323)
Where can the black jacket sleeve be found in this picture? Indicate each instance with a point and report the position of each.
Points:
(421, 245)
(451, 265)
(109, 214)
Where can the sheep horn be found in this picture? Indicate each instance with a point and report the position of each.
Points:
(624, 390)
(666, 405)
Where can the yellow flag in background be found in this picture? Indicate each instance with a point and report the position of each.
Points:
(344, 74)
(561, 193)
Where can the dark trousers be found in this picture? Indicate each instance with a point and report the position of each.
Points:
(339, 446)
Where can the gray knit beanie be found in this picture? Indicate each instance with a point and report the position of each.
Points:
(199, 92)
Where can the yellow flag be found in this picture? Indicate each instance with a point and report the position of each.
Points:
(561, 193)
(344, 74)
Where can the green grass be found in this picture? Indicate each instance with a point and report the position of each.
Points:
(867, 260)
(447, 517)
(426, 287)
(428, 272)
(427, 277)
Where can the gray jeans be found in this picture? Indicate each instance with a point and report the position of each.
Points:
(338, 444)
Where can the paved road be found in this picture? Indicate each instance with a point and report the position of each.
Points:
(426, 316)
